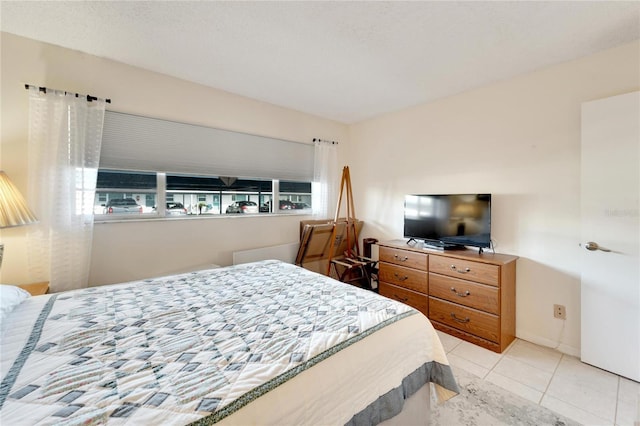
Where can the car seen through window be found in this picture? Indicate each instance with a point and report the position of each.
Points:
(122, 206)
(174, 209)
(242, 207)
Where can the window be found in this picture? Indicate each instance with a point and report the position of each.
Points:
(194, 195)
(295, 195)
(213, 195)
(123, 192)
(156, 162)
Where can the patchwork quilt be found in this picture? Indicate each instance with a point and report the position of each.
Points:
(183, 348)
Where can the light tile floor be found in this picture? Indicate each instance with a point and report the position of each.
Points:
(560, 382)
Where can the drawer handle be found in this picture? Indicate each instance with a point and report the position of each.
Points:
(465, 294)
(455, 318)
(401, 259)
(399, 277)
(453, 267)
(402, 299)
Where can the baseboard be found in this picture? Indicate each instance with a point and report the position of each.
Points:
(542, 341)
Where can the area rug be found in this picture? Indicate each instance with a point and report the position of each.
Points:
(482, 403)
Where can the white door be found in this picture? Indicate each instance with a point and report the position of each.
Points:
(610, 197)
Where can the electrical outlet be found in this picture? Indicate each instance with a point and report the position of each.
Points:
(559, 311)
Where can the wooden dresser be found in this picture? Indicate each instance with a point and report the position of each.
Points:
(464, 293)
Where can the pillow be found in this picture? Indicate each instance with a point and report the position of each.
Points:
(10, 297)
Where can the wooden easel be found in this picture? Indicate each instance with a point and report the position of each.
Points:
(345, 185)
(351, 262)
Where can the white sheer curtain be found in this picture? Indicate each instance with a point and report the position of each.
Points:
(65, 133)
(324, 187)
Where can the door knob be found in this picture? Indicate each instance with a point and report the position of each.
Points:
(591, 246)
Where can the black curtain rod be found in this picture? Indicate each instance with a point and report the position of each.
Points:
(323, 140)
(89, 97)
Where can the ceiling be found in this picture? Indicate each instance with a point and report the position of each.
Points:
(347, 60)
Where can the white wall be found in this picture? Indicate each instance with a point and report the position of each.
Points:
(519, 140)
(160, 247)
(152, 247)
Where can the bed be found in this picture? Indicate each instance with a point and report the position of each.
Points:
(260, 343)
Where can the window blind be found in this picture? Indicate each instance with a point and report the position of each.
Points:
(132, 142)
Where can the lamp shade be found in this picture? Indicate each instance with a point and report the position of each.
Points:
(13, 208)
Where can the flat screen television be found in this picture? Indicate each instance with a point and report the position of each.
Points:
(449, 221)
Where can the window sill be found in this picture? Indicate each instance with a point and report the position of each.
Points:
(100, 219)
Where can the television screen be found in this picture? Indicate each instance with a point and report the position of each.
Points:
(449, 220)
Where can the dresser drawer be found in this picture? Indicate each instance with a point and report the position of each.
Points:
(468, 270)
(407, 258)
(404, 277)
(467, 293)
(466, 319)
(411, 298)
